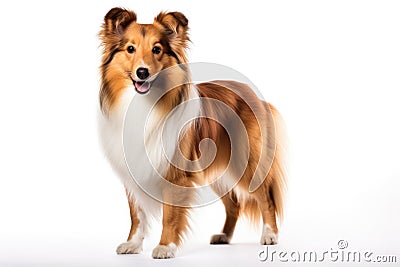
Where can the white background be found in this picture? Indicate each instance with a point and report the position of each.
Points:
(331, 67)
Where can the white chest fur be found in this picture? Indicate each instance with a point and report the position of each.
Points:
(152, 133)
(111, 128)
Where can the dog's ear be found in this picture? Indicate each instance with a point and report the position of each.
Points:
(115, 23)
(176, 28)
(174, 23)
(117, 20)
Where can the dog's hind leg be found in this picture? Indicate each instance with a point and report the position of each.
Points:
(232, 209)
(265, 202)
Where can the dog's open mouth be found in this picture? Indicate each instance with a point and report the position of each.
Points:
(142, 87)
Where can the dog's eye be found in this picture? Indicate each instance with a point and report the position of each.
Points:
(130, 49)
(156, 50)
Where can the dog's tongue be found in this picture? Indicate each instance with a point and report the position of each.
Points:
(142, 87)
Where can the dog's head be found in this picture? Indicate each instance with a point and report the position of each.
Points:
(136, 52)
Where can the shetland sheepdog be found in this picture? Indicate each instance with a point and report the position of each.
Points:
(133, 55)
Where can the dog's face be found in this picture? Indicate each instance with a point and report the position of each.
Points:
(137, 52)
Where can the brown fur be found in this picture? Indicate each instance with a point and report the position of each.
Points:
(134, 216)
(169, 31)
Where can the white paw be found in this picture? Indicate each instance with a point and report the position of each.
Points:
(164, 252)
(268, 236)
(130, 247)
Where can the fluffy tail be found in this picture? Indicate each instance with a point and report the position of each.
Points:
(275, 182)
(278, 169)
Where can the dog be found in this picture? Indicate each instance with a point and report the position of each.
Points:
(133, 55)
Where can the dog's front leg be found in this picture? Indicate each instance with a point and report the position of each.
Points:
(134, 243)
(175, 222)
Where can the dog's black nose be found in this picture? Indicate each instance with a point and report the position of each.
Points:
(142, 73)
